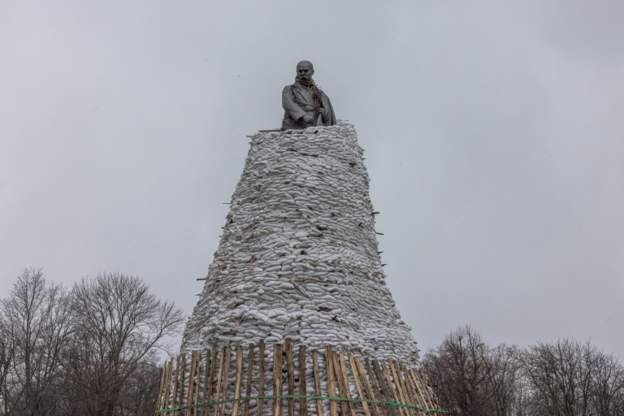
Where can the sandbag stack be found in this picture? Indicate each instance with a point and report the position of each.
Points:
(299, 258)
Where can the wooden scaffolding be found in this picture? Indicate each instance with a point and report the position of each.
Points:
(259, 380)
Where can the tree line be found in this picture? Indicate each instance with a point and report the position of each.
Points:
(563, 378)
(95, 350)
(92, 350)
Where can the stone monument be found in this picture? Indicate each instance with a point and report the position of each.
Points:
(295, 315)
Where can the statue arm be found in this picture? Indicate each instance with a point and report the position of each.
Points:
(290, 106)
(329, 118)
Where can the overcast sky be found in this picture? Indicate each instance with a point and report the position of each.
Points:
(494, 136)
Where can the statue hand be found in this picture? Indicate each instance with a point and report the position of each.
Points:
(308, 118)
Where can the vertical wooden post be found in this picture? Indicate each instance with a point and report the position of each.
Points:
(176, 382)
(226, 374)
(207, 383)
(214, 363)
(261, 379)
(317, 384)
(192, 384)
(167, 386)
(237, 383)
(331, 386)
(250, 367)
(277, 379)
(291, 377)
(160, 389)
(303, 391)
(182, 381)
(217, 397)
(191, 391)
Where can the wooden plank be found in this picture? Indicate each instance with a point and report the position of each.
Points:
(291, 377)
(374, 382)
(429, 391)
(197, 381)
(410, 391)
(237, 383)
(217, 396)
(343, 382)
(161, 388)
(431, 395)
(303, 391)
(162, 402)
(384, 386)
(226, 374)
(261, 378)
(413, 391)
(191, 385)
(181, 387)
(176, 382)
(277, 379)
(398, 385)
(339, 386)
(170, 386)
(331, 385)
(414, 378)
(250, 367)
(205, 384)
(385, 369)
(208, 397)
(418, 397)
(358, 384)
(166, 387)
(169, 383)
(364, 377)
(375, 386)
(430, 402)
(317, 384)
(198, 378)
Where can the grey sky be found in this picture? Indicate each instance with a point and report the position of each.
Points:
(493, 130)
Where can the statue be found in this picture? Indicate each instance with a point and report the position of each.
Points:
(304, 103)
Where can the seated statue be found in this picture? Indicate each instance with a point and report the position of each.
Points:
(304, 103)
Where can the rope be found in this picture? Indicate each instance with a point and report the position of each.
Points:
(388, 404)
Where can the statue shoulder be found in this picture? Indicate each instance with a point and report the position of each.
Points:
(288, 88)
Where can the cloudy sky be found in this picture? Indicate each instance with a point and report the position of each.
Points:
(494, 135)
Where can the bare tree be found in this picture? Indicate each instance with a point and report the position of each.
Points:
(505, 379)
(561, 377)
(36, 325)
(119, 323)
(607, 386)
(6, 362)
(140, 393)
(460, 371)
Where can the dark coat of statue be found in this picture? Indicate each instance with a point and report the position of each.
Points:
(304, 103)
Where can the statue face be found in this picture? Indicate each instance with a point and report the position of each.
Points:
(305, 70)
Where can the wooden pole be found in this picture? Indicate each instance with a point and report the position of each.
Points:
(317, 384)
(277, 379)
(237, 383)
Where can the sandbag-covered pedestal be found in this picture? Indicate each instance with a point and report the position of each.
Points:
(298, 272)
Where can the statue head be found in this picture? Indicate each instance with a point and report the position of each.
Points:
(305, 70)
